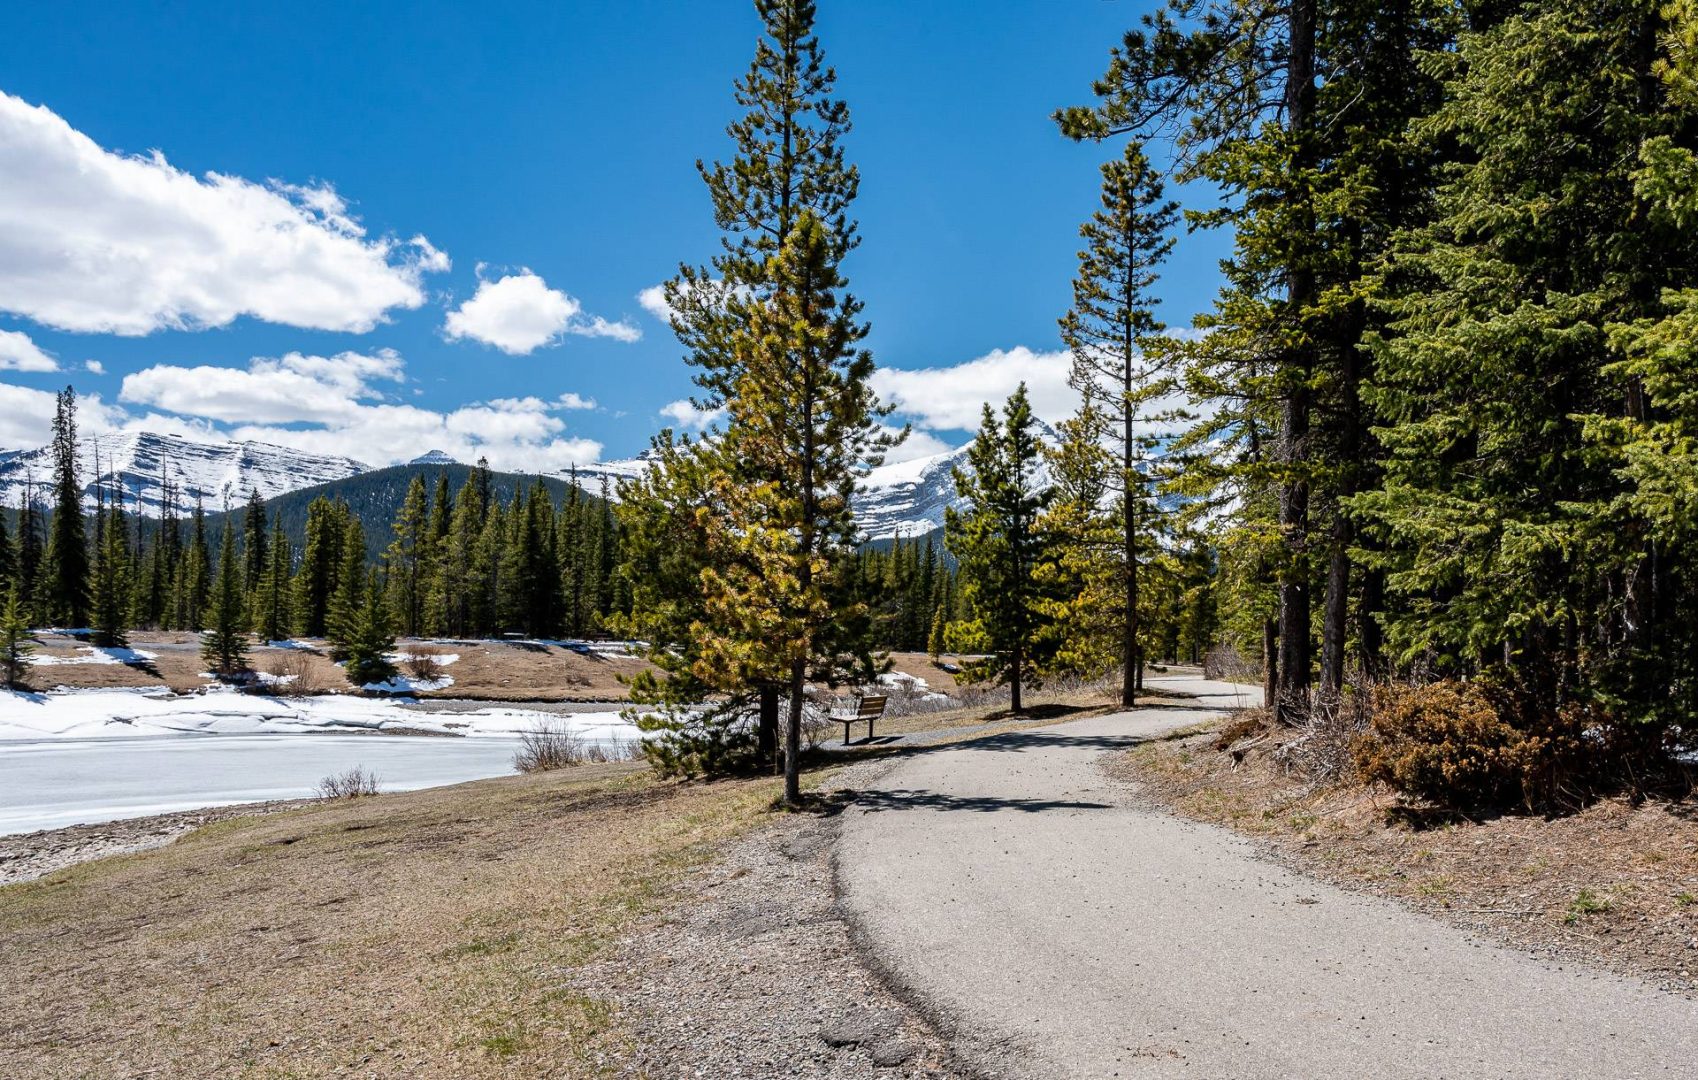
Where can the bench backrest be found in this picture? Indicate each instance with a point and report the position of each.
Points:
(870, 708)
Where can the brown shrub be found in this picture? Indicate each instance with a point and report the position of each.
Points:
(423, 664)
(353, 784)
(292, 674)
(1459, 745)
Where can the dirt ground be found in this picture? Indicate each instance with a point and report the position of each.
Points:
(418, 934)
(506, 671)
(1616, 884)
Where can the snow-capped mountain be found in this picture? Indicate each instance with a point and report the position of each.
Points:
(907, 498)
(140, 463)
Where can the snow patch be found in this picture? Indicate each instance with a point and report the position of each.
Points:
(88, 654)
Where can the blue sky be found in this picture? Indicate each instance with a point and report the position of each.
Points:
(556, 138)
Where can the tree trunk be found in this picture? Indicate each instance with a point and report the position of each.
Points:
(793, 736)
(767, 747)
(1294, 623)
(1270, 661)
(1014, 681)
(1335, 609)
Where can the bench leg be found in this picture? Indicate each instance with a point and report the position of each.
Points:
(845, 734)
(869, 731)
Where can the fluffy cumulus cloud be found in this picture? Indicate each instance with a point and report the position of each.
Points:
(26, 416)
(344, 405)
(97, 241)
(684, 414)
(519, 313)
(952, 398)
(19, 353)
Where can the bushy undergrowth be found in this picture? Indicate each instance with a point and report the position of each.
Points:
(550, 744)
(1475, 744)
(352, 784)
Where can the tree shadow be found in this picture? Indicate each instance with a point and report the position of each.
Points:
(885, 799)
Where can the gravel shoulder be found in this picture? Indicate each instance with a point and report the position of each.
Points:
(1058, 930)
(752, 973)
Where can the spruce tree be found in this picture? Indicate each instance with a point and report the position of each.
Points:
(113, 586)
(371, 640)
(255, 557)
(272, 607)
(224, 644)
(66, 589)
(1118, 361)
(407, 560)
(16, 646)
(195, 585)
(31, 552)
(342, 620)
(1000, 548)
(321, 560)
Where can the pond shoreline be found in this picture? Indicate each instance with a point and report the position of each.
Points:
(31, 855)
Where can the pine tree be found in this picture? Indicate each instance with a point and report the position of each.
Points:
(321, 561)
(346, 604)
(224, 645)
(16, 646)
(9, 578)
(31, 553)
(255, 557)
(66, 591)
(1000, 548)
(1118, 363)
(371, 640)
(195, 574)
(113, 585)
(1082, 581)
(272, 606)
(407, 560)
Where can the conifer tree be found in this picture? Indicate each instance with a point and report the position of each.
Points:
(9, 578)
(272, 608)
(31, 553)
(802, 421)
(16, 646)
(195, 587)
(371, 640)
(1082, 581)
(255, 557)
(66, 592)
(348, 601)
(224, 643)
(321, 561)
(1118, 362)
(407, 560)
(1000, 547)
(113, 587)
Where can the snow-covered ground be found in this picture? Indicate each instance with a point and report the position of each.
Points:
(120, 712)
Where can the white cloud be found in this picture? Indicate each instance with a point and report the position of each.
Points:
(96, 241)
(918, 444)
(951, 398)
(320, 404)
(519, 313)
(291, 388)
(26, 416)
(653, 301)
(19, 353)
(94, 367)
(685, 415)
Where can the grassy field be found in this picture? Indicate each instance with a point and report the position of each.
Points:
(417, 934)
(423, 933)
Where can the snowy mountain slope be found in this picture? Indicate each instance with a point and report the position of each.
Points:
(139, 462)
(907, 498)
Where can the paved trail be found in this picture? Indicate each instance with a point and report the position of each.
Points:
(1062, 933)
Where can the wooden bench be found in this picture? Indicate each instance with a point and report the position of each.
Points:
(867, 707)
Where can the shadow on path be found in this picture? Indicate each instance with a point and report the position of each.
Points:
(879, 800)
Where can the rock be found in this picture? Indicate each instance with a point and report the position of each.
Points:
(893, 1052)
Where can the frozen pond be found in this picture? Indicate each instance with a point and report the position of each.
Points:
(47, 784)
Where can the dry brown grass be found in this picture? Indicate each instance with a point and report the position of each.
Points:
(417, 934)
(1606, 884)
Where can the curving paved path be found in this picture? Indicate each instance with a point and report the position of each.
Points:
(1058, 932)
